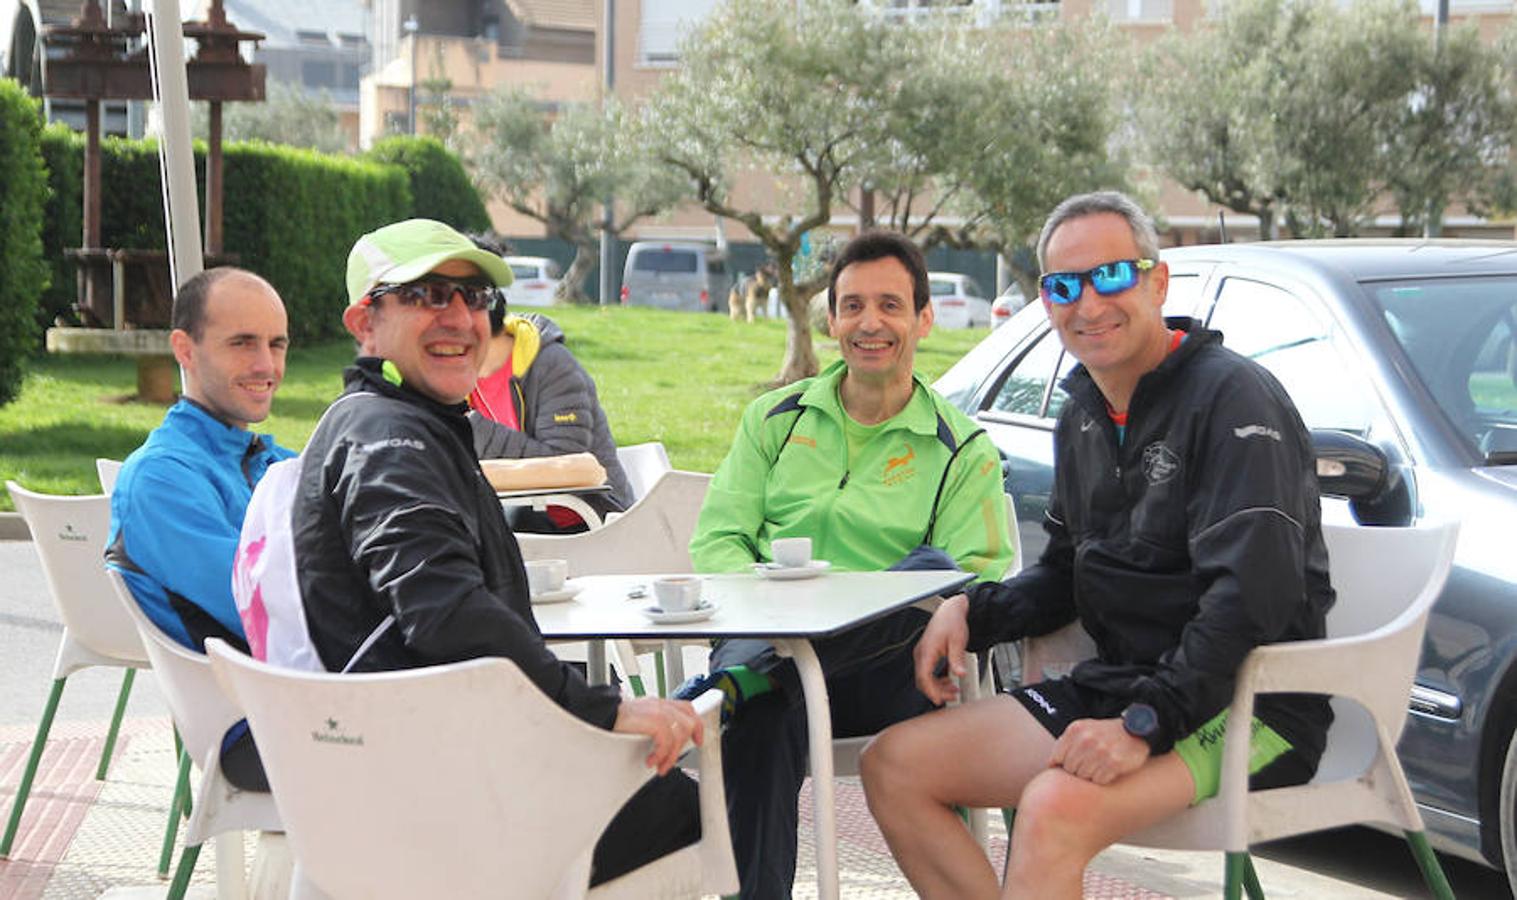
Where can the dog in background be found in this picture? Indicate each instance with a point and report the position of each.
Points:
(751, 294)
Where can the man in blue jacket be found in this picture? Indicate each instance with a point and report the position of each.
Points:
(180, 498)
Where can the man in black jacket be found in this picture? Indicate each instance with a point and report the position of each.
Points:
(393, 518)
(1184, 530)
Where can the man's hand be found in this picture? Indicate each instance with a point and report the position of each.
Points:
(669, 722)
(944, 640)
(1099, 750)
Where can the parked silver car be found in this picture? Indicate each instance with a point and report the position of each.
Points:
(676, 275)
(1405, 350)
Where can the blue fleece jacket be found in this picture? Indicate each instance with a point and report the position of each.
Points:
(176, 513)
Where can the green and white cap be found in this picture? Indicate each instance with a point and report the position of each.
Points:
(405, 251)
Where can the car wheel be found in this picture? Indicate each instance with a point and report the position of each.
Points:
(1508, 813)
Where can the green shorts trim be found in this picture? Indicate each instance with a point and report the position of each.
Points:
(1201, 751)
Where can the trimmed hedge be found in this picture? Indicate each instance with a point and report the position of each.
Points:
(440, 188)
(23, 195)
(291, 215)
(294, 214)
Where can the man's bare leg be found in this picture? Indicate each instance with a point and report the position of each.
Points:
(980, 754)
(1063, 821)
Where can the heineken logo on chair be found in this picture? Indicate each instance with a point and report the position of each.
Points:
(331, 734)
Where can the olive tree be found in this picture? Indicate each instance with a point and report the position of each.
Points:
(801, 94)
(558, 169)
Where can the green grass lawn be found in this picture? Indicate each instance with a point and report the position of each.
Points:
(679, 378)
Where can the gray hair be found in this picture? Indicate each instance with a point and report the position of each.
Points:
(1080, 205)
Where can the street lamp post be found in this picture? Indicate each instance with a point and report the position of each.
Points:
(412, 27)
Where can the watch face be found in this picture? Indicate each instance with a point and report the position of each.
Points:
(1140, 720)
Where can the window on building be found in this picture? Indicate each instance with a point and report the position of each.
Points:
(312, 37)
(662, 24)
(318, 73)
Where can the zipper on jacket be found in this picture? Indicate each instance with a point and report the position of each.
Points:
(844, 483)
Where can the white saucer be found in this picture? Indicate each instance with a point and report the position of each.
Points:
(706, 610)
(777, 572)
(567, 592)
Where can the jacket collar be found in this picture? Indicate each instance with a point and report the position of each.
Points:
(1080, 385)
(210, 430)
(918, 415)
(380, 376)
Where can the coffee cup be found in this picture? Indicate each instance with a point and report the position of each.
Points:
(792, 553)
(677, 593)
(545, 576)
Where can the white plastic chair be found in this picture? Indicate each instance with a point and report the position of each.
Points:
(69, 534)
(1387, 580)
(460, 780)
(644, 464)
(202, 714)
(107, 470)
(650, 538)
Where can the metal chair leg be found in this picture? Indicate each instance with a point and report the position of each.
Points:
(110, 736)
(181, 797)
(1232, 882)
(25, 788)
(1427, 861)
(1251, 885)
(181, 882)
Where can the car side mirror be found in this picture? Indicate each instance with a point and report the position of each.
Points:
(1358, 471)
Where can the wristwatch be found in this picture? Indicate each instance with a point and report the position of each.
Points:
(1141, 721)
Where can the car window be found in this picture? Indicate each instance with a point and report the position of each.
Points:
(1281, 332)
(972, 288)
(1025, 388)
(519, 271)
(1058, 395)
(716, 267)
(669, 261)
(1184, 295)
(554, 270)
(1459, 334)
(941, 288)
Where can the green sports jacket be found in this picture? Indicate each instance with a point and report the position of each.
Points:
(788, 475)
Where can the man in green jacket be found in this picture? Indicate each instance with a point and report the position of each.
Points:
(879, 472)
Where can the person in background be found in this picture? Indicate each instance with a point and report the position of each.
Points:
(535, 399)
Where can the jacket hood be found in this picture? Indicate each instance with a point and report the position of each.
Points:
(530, 333)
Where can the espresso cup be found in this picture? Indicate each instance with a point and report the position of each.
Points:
(792, 553)
(546, 575)
(677, 593)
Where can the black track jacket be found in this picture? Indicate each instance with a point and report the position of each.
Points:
(394, 516)
(1194, 541)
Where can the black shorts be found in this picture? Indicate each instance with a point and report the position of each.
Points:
(1273, 760)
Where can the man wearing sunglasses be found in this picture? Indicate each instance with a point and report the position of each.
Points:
(402, 554)
(1185, 519)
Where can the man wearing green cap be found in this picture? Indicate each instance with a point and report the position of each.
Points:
(402, 553)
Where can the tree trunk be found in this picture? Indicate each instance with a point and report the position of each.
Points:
(1269, 230)
(571, 286)
(800, 357)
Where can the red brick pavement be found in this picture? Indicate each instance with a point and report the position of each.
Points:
(61, 795)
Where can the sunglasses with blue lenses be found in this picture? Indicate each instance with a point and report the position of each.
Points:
(1108, 278)
(436, 292)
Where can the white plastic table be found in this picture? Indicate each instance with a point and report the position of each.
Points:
(789, 614)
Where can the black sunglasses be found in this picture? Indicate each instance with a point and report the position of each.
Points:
(436, 292)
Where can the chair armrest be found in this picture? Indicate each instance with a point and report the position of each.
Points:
(1352, 667)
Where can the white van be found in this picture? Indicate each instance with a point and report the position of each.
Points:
(683, 275)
